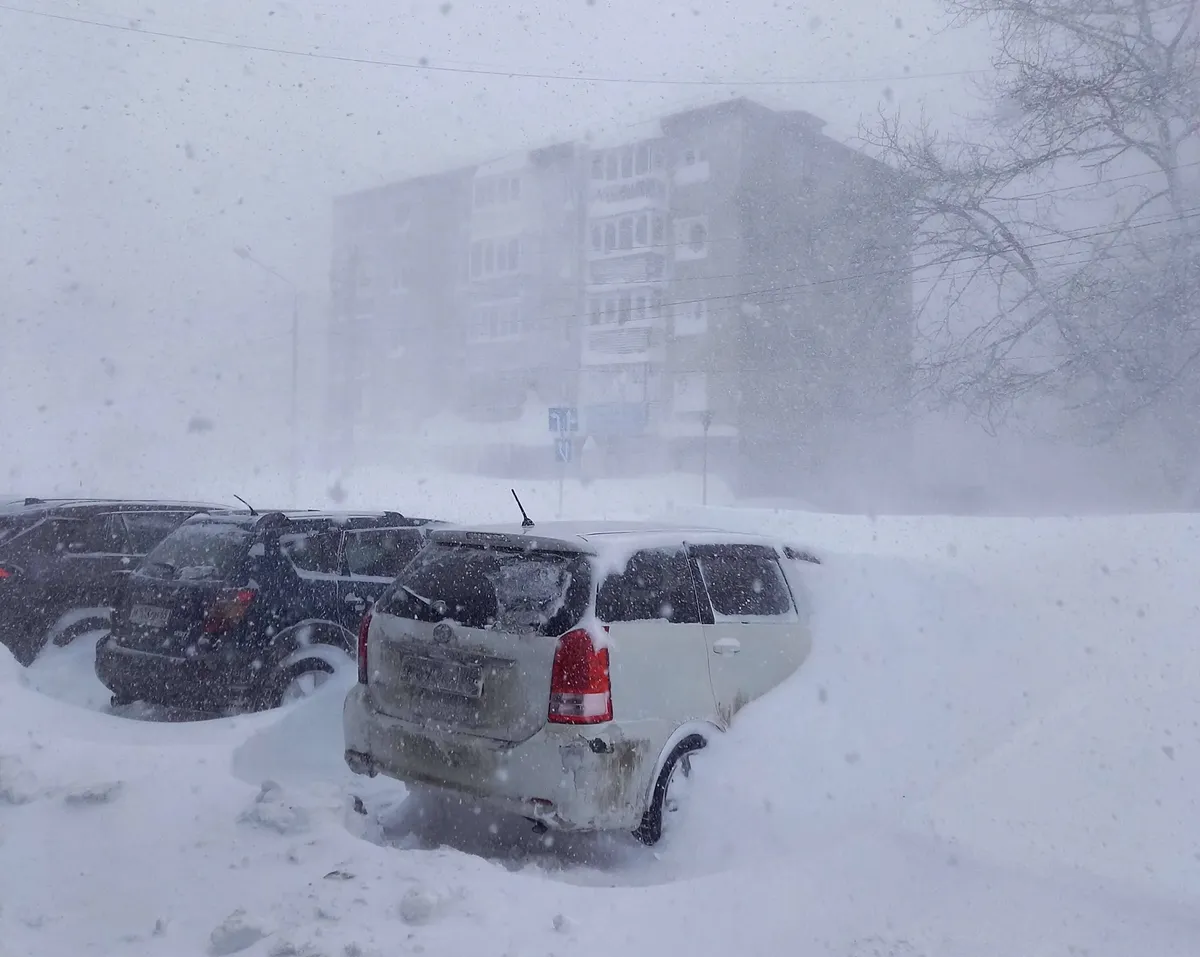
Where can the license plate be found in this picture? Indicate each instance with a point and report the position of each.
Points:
(448, 677)
(149, 616)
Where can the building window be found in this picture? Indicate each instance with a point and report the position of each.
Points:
(658, 229)
(493, 257)
(627, 163)
(625, 233)
(691, 238)
(598, 166)
(610, 237)
(596, 307)
(691, 318)
(497, 189)
(642, 233)
(611, 166)
(643, 159)
(597, 238)
(624, 310)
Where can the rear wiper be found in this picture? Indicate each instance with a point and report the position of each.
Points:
(421, 598)
(435, 605)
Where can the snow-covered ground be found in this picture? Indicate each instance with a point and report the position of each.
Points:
(993, 752)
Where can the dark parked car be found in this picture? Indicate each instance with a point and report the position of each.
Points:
(63, 563)
(247, 611)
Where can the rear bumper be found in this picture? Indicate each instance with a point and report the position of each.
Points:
(568, 777)
(194, 683)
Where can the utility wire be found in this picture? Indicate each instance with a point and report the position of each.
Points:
(419, 64)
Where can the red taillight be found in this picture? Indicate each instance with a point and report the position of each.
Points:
(228, 611)
(580, 691)
(364, 627)
(5, 573)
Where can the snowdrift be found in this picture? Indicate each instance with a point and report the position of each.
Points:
(940, 780)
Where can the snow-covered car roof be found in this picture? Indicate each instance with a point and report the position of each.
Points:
(598, 536)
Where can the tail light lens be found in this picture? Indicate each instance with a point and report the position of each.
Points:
(5, 573)
(580, 691)
(364, 627)
(228, 611)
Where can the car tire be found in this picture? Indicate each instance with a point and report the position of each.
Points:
(285, 681)
(80, 628)
(650, 831)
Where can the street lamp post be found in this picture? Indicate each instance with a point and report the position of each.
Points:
(244, 252)
(706, 420)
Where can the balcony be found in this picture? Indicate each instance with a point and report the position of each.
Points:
(633, 343)
(627, 195)
(634, 268)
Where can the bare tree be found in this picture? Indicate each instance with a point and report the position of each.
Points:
(1107, 94)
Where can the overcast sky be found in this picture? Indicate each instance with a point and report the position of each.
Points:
(132, 164)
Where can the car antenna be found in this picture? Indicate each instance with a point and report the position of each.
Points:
(247, 504)
(526, 521)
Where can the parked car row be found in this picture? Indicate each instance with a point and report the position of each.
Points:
(568, 673)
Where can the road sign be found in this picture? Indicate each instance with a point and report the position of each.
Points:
(564, 418)
(563, 450)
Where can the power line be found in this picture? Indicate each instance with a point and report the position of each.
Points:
(419, 64)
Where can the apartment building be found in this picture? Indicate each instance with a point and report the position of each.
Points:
(732, 282)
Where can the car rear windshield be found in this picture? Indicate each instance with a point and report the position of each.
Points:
(512, 590)
(203, 549)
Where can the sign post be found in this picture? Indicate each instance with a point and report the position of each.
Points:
(705, 423)
(563, 420)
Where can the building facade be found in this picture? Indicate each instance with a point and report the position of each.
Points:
(733, 285)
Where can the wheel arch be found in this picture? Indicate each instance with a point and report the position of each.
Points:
(704, 730)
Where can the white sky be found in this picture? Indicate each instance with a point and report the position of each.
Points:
(132, 165)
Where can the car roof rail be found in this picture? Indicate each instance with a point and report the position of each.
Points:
(35, 501)
(395, 517)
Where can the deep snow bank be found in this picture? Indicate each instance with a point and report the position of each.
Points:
(939, 723)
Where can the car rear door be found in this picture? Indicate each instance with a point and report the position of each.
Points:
(755, 637)
(95, 555)
(658, 653)
(371, 560)
(314, 591)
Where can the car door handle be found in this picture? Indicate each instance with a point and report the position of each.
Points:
(727, 646)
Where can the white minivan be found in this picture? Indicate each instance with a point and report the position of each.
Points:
(566, 672)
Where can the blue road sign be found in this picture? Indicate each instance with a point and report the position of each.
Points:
(562, 450)
(564, 418)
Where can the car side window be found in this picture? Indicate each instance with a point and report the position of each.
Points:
(313, 551)
(744, 581)
(98, 535)
(49, 538)
(381, 552)
(144, 530)
(656, 583)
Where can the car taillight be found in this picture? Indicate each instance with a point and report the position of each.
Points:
(580, 691)
(5, 573)
(364, 627)
(228, 611)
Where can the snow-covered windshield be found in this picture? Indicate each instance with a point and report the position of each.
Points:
(511, 590)
(198, 549)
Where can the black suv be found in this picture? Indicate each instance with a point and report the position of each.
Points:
(63, 563)
(247, 611)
